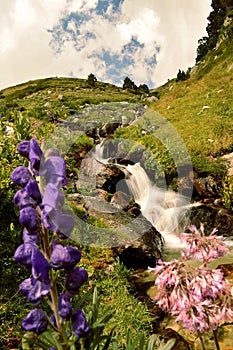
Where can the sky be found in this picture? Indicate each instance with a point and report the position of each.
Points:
(146, 40)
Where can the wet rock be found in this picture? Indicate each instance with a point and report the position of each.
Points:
(108, 128)
(212, 216)
(137, 243)
(120, 199)
(207, 187)
(104, 176)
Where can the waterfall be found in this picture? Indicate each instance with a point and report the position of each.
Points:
(165, 209)
(98, 153)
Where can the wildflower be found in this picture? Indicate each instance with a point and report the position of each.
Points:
(40, 266)
(79, 324)
(200, 247)
(21, 175)
(39, 214)
(34, 290)
(75, 279)
(52, 198)
(24, 148)
(36, 321)
(64, 257)
(29, 218)
(55, 169)
(64, 307)
(36, 158)
(23, 254)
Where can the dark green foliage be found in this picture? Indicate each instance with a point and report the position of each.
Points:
(91, 79)
(181, 75)
(144, 88)
(129, 84)
(216, 19)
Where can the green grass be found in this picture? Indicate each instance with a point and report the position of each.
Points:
(200, 109)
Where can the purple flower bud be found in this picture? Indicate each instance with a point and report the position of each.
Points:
(72, 257)
(22, 199)
(29, 218)
(40, 266)
(64, 257)
(34, 290)
(75, 279)
(53, 197)
(53, 220)
(55, 169)
(36, 321)
(24, 148)
(79, 324)
(36, 158)
(33, 191)
(64, 307)
(23, 254)
(57, 256)
(21, 175)
(31, 237)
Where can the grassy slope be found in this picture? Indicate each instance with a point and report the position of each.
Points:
(61, 96)
(206, 131)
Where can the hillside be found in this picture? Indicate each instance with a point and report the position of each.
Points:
(199, 108)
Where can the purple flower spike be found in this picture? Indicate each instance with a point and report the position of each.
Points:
(55, 169)
(36, 158)
(21, 175)
(64, 257)
(34, 290)
(79, 324)
(23, 254)
(36, 321)
(40, 266)
(29, 218)
(75, 279)
(64, 307)
(24, 148)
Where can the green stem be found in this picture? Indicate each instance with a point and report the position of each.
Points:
(62, 333)
(216, 339)
(202, 343)
(62, 343)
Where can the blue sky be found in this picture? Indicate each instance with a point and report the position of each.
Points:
(146, 40)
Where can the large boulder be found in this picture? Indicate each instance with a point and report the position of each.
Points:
(133, 239)
(97, 175)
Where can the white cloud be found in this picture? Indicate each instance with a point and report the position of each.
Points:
(175, 26)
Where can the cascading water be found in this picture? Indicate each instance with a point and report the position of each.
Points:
(165, 209)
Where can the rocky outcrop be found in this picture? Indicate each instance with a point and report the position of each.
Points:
(98, 175)
(133, 239)
(212, 216)
(207, 186)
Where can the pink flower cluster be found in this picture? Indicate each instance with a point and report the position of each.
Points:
(203, 248)
(200, 297)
